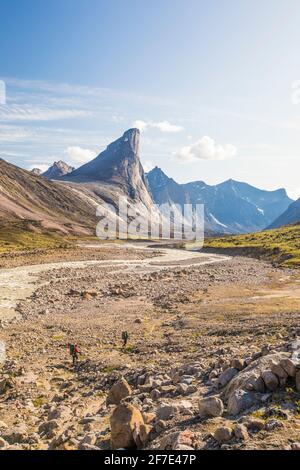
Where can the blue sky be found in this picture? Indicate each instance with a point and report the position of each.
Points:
(210, 83)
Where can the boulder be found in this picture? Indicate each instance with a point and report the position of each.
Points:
(175, 440)
(223, 434)
(248, 378)
(210, 407)
(271, 380)
(124, 424)
(290, 366)
(279, 371)
(240, 432)
(227, 376)
(166, 412)
(239, 401)
(119, 390)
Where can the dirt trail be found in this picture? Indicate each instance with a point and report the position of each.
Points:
(19, 283)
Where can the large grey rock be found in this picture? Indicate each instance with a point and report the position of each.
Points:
(210, 407)
(166, 412)
(279, 371)
(270, 379)
(249, 378)
(239, 401)
(227, 376)
(290, 366)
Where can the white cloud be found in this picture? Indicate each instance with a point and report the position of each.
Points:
(148, 166)
(163, 126)
(205, 149)
(293, 193)
(80, 155)
(141, 125)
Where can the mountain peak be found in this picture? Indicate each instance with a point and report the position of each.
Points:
(119, 164)
(36, 171)
(57, 170)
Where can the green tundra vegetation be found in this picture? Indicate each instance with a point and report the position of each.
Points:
(21, 236)
(281, 246)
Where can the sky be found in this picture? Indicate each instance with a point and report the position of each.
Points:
(214, 86)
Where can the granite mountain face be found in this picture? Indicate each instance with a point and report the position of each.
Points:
(118, 166)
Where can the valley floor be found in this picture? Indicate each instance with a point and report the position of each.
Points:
(189, 316)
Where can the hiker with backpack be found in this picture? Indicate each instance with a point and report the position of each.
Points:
(74, 352)
(125, 337)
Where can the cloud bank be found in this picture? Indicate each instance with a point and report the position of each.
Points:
(205, 149)
(163, 126)
(80, 155)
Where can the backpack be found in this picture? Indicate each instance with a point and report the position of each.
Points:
(72, 349)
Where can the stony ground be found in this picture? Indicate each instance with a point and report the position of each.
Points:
(211, 362)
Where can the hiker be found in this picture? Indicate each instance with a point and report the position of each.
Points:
(125, 337)
(74, 352)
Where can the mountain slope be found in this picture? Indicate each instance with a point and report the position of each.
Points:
(280, 246)
(29, 197)
(229, 207)
(290, 216)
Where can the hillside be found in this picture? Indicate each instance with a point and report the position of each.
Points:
(25, 196)
(281, 246)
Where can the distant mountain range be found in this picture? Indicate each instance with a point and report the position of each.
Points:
(229, 207)
(290, 216)
(69, 203)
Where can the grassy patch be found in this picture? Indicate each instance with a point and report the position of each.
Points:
(281, 246)
(38, 402)
(21, 236)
